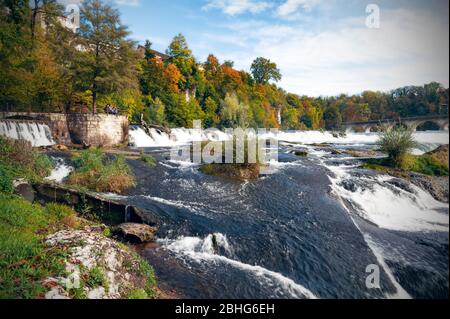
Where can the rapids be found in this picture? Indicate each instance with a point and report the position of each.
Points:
(309, 229)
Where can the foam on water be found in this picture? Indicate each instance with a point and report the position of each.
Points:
(178, 136)
(182, 136)
(60, 172)
(202, 250)
(36, 133)
(392, 207)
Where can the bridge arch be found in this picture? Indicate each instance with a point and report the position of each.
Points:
(428, 126)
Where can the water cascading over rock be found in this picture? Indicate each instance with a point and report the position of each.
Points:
(37, 134)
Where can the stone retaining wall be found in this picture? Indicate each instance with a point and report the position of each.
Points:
(90, 129)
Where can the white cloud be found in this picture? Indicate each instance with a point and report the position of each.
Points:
(131, 3)
(234, 7)
(291, 6)
(410, 48)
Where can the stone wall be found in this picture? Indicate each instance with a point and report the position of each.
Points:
(95, 130)
(98, 130)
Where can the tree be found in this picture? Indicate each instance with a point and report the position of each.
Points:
(211, 116)
(234, 113)
(181, 56)
(15, 73)
(264, 70)
(110, 61)
(148, 50)
(332, 118)
(156, 111)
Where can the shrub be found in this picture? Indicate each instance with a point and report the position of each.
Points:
(98, 173)
(397, 142)
(18, 159)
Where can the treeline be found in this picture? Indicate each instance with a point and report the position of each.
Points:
(46, 68)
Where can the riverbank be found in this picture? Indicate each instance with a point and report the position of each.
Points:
(50, 252)
(53, 251)
(226, 238)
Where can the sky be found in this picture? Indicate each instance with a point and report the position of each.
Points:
(322, 47)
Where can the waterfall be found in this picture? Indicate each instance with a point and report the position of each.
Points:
(183, 136)
(37, 134)
(179, 136)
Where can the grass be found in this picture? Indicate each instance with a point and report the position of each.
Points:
(97, 278)
(240, 171)
(148, 159)
(18, 159)
(24, 259)
(397, 142)
(423, 164)
(137, 294)
(148, 272)
(96, 172)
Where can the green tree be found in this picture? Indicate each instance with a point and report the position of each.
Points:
(211, 116)
(264, 70)
(332, 118)
(156, 111)
(181, 56)
(110, 61)
(15, 71)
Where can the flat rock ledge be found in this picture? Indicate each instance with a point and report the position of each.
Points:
(115, 267)
(135, 233)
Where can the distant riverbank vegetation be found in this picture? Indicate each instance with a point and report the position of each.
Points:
(45, 67)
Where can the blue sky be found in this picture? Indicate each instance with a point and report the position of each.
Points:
(323, 47)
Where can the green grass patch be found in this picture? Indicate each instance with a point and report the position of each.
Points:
(97, 278)
(24, 259)
(137, 294)
(149, 273)
(148, 159)
(423, 164)
(96, 172)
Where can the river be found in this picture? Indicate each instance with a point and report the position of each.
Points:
(311, 229)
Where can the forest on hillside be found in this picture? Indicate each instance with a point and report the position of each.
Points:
(45, 67)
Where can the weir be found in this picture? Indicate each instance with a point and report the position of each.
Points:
(78, 128)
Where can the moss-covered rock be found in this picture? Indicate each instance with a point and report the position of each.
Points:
(98, 267)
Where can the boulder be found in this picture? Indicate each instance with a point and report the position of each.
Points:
(24, 189)
(301, 153)
(336, 152)
(60, 147)
(135, 233)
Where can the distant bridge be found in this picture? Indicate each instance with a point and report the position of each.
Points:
(438, 121)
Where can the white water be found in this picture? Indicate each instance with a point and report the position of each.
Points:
(202, 250)
(180, 136)
(392, 207)
(60, 172)
(37, 134)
